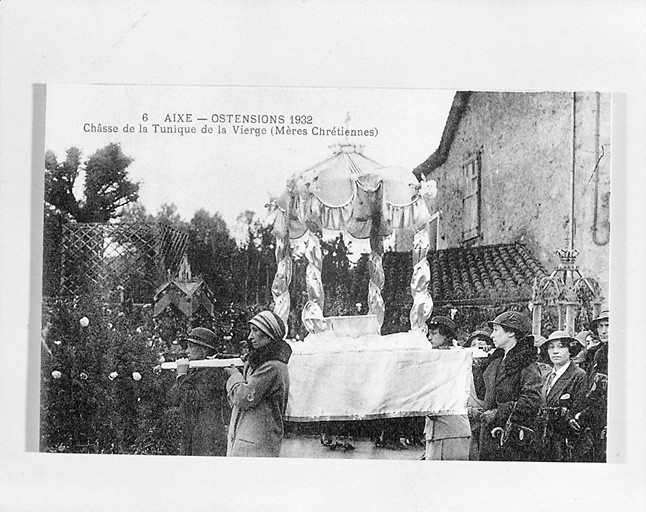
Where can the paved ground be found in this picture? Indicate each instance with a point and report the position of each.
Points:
(310, 447)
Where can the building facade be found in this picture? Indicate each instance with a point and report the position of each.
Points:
(518, 167)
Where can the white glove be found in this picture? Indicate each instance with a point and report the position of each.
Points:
(182, 366)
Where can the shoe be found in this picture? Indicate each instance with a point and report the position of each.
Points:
(325, 440)
(334, 446)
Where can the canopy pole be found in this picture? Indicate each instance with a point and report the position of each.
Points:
(375, 265)
(283, 277)
(312, 314)
(422, 301)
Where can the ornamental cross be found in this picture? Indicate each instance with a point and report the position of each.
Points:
(347, 124)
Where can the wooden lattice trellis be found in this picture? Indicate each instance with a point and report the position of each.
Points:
(124, 259)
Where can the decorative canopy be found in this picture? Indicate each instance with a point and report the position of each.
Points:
(353, 193)
(350, 192)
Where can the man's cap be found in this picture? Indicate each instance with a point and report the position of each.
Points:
(204, 337)
(604, 315)
(512, 320)
(444, 321)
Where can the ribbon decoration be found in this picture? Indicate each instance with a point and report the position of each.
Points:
(283, 254)
(422, 302)
(312, 314)
(352, 193)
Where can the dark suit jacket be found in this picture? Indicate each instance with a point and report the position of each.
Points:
(564, 399)
(568, 391)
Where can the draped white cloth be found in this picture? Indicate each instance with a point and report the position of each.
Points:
(350, 192)
(343, 193)
(373, 376)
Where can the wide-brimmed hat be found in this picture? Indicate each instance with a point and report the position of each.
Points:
(604, 315)
(512, 320)
(539, 340)
(572, 343)
(203, 337)
(444, 321)
(583, 336)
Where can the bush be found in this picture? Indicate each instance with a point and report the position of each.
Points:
(85, 408)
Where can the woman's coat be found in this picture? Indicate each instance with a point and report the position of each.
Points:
(258, 397)
(511, 384)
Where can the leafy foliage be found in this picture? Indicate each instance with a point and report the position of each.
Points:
(212, 253)
(83, 409)
(107, 186)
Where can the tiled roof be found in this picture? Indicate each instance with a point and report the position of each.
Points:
(490, 274)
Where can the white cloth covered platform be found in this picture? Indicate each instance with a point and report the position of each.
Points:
(372, 376)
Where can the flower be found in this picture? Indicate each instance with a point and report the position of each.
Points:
(136, 376)
(56, 374)
(113, 375)
(84, 322)
(109, 325)
(83, 376)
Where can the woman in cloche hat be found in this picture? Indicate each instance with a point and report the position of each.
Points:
(563, 390)
(258, 395)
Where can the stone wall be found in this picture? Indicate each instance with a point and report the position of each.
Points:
(526, 143)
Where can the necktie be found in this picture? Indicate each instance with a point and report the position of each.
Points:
(550, 381)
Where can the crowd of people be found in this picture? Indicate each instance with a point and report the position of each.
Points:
(531, 398)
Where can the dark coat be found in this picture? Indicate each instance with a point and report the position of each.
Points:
(593, 410)
(597, 360)
(511, 384)
(561, 403)
(200, 396)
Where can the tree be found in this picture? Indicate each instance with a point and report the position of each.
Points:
(60, 179)
(257, 263)
(212, 252)
(107, 185)
(337, 277)
(136, 213)
(167, 214)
